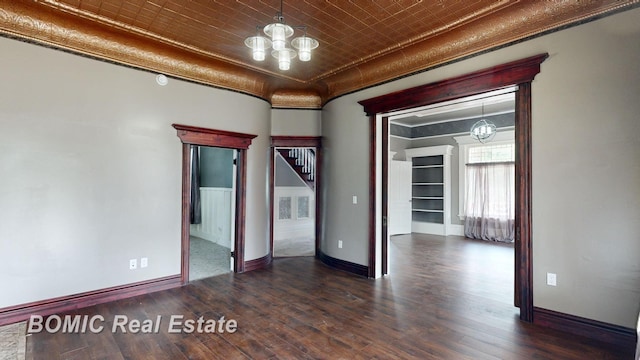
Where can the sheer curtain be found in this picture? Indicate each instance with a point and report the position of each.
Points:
(490, 201)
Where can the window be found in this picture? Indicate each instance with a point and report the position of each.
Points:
(491, 153)
(284, 208)
(501, 149)
(303, 207)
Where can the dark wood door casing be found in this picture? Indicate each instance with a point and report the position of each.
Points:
(192, 135)
(292, 142)
(519, 73)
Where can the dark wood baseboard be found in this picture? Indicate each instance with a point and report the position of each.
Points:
(259, 263)
(612, 334)
(23, 312)
(347, 266)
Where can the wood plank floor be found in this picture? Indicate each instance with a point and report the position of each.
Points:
(446, 298)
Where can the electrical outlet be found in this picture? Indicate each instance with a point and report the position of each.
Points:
(144, 262)
(133, 264)
(339, 244)
(551, 279)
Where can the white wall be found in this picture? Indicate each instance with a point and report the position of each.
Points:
(586, 166)
(90, 171)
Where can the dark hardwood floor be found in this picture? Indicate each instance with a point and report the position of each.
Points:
(446, 298)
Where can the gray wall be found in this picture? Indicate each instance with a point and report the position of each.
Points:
(288, 122)
(285, 176)
(586, 167)
(91, 171)
(216, 167)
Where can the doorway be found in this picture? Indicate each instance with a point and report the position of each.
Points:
(193, 137)
(294, 195)
(518, 73)
(212, 211)
(455, 192)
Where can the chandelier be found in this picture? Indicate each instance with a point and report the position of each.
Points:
(278, 33)
(483, 130)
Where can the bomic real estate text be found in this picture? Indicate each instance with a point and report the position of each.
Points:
(177, 324)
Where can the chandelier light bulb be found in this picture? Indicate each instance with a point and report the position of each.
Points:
(258, 46)
(304, 44)
(278, 33)
(284, 58)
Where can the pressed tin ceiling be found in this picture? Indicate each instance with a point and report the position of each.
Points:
(362, 42)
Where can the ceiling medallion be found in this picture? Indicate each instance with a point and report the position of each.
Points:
(278, 33)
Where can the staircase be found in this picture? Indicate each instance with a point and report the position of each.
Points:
(303, 162)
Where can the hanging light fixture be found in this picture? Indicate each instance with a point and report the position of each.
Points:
(278, 33)
(483, 130)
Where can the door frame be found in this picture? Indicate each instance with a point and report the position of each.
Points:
(518, 73)
(192, 135)
(293, 142)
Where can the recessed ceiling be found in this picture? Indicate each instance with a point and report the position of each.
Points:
(362, 43)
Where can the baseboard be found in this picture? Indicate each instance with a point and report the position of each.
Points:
(57, 305)
(259, 263)
(612, 334)
(343, 265)
(455, 229)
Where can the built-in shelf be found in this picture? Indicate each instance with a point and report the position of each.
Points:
(430, 189)
(428, 166)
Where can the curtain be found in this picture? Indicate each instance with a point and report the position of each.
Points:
(195, 213)
(490, 201)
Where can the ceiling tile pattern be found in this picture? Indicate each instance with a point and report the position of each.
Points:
(362, 42)
(349, 32)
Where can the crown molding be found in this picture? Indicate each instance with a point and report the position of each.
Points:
(31, 21)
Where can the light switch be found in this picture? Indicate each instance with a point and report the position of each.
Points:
(355, 199)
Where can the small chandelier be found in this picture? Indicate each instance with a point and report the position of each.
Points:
(278, 33)
(483, 130)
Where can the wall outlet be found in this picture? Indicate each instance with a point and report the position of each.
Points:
(551, 279)
(144, 262)
(133, 264)
(339, 244)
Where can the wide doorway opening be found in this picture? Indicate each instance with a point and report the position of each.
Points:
(452, 195)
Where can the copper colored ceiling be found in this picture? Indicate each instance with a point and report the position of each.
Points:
(362, 42)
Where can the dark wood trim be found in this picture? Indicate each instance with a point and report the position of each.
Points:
(297, 141)
(272, 192)
(319, 202)
(211, 137)
(192, 135)
(522, 250)
(343, 265)
(57, 305)
(241, 212)
(519, 73)
(385, 198)
(515, 72)
(259, 263)
(609, 333)
(186, 200)
(372, 196)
